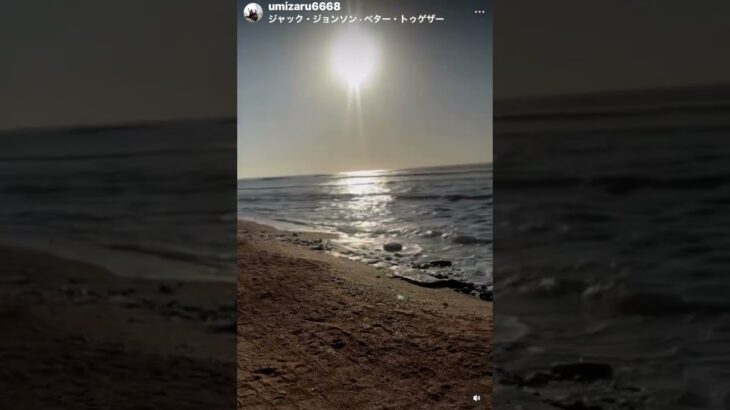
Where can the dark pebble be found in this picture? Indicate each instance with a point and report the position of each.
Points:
(337, 344)
(268, 371)
(469, 240)
(433, 264)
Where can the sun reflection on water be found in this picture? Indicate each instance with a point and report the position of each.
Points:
(364, 197)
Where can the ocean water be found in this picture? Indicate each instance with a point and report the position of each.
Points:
(611, 242)
(148, 200)
(436, 214)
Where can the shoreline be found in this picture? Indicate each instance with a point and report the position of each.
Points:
(321, 331)
(428, 275)
(123, 263)
(82, 337)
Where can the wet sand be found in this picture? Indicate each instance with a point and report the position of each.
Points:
(317, 331)
(74, 336)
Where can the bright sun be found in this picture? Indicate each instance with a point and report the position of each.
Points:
(354, 57)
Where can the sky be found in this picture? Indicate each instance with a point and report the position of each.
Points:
(90, 62)
(80, 62)
(559, 47)
(427, 101)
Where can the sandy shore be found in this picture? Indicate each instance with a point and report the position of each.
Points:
(75, 336)
(321, 332)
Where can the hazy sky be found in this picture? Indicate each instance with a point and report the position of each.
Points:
(74, 62)
(81, 62)
(427, 102)
(566, 46)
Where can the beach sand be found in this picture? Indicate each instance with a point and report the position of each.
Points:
(320, 332)
(74, 336)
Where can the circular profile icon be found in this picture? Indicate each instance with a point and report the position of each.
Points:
(253, 12)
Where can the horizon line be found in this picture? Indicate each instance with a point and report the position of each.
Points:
(366, 170)
(115, 125)
(612, 92)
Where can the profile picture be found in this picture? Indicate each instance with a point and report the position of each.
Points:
(253, 12)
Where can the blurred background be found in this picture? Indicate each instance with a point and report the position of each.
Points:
(609, 174)
(117, 179)
(611, 182)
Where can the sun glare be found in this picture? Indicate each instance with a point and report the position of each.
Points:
(354, 57)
